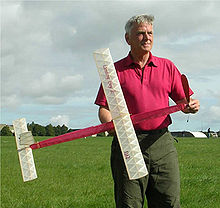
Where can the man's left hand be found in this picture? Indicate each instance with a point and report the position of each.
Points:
(192, 107)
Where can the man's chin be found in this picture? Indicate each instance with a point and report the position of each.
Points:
(146, 50)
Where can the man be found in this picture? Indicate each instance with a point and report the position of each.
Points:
(147, 83)
(209, 132)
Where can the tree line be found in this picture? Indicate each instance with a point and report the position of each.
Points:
(39, 130)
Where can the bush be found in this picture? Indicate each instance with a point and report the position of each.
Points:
(6, 131)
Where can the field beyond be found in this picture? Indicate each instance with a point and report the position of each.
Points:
(77, 174)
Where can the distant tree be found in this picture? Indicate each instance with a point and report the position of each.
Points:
(64, 129)
(34, 130)
(6, 131)
(39, 130)
(30, 126)
(42, 131)
(57, 130)
(70, 130)
(50, 130)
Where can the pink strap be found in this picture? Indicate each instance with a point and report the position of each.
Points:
(106, 127)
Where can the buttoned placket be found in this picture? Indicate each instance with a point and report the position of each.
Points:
(139, 71)
(142, 75)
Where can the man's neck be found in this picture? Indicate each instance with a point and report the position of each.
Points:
(141, 59)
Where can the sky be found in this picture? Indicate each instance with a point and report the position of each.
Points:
(48, 74)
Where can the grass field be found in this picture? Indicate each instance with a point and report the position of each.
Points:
(77, 175)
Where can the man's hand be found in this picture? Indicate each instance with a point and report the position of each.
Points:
(192, 107)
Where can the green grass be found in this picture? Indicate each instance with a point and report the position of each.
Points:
(199, 161)
(77, 174)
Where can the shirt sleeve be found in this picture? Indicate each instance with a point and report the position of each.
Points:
(177, 91)
(101, 99)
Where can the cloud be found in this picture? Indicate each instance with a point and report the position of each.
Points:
(10, 102)
(215, 113)
(208, 117)
(60, 120)
(47, 48)
(48, 88)
(51, 84)
(188, 40)
(32, 70)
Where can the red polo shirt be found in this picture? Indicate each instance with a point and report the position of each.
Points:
(147, 89)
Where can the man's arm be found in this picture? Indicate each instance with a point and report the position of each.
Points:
(104, 114)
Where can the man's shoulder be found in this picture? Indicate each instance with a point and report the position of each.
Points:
(163, 60)
(121, 63)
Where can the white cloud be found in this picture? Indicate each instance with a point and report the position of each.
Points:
(215, 113)
(60, 120)
(188, 40)
(48, 88)
(12, 101)
(47, 49)
(51, 84)
(50, 100)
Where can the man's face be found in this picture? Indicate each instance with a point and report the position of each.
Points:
(140, 38)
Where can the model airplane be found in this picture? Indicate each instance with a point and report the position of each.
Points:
(123, 123)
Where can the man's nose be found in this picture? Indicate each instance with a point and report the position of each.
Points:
(146, 36)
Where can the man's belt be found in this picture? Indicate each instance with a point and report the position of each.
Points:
(152, 132)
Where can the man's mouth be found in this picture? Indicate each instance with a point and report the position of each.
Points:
(146, 44)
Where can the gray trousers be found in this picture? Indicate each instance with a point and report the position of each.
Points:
(161, 186)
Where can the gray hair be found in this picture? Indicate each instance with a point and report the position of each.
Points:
(143, 18)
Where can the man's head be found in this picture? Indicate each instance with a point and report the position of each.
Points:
(139, 33)
(138, 19)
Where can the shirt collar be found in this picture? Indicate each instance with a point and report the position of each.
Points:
(152, 60)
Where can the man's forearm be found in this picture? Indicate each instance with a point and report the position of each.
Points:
(104, 114)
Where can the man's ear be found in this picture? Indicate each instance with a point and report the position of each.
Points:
(127, 38)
